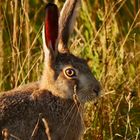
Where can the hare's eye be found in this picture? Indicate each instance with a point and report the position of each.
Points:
(70, 72)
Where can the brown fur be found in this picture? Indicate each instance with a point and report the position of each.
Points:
(20, 112)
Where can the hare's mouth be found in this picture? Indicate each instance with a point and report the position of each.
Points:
(97, 92)
(88, 96)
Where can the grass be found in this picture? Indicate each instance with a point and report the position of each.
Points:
(106, 34)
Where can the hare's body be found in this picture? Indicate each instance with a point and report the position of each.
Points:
(21, 111)
(51, 109)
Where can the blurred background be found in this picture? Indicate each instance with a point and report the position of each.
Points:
(106, 34)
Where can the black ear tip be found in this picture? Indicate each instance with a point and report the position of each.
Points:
(49, 5)
(52, 8)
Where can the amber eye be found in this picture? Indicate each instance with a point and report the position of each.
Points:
(70, 72)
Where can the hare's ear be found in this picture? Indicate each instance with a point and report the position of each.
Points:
(66, 22)
(50, 32)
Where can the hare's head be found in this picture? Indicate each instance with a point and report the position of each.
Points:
(65, 74)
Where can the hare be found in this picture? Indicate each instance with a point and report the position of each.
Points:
(51, 109)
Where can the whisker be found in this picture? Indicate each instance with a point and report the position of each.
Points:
(79, 108)
(70, 123)
(66, 115)
(68, 112)
(84, 89)
(78, 103)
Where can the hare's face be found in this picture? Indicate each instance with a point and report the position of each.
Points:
(65, 75)
(74, 77)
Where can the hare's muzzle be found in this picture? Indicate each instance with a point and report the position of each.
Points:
(89, 87)
(97, 89)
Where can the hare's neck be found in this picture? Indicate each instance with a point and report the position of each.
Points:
(47, 80)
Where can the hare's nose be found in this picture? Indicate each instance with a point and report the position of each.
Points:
(96, 89)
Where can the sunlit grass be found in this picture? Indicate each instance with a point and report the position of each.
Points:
(106, 34)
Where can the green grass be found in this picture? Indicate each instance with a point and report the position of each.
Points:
(106, 34)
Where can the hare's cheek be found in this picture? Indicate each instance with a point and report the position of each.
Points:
(65, 87)
(83, 81)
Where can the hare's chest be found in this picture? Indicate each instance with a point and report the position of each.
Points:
(67, 125)
(71, 130)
